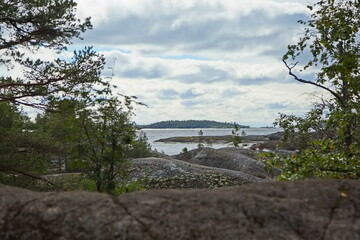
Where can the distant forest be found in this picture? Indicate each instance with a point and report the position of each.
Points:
(192, 124)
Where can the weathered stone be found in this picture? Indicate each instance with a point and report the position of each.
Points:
(276, 136)
(227, 158)
(327, 209)
(172, 173)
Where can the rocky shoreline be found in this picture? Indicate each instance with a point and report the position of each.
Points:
(214, 139)
(270, 141)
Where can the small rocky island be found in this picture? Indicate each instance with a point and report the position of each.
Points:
(224, 139)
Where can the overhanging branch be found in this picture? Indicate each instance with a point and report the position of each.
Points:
(337, 96)
(40, 82)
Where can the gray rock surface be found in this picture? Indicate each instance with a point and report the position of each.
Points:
(326, 209)
(172, 173)
(227, 158)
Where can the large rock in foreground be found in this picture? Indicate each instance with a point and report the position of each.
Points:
(278, 210)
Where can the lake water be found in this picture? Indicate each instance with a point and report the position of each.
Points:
(175, 148)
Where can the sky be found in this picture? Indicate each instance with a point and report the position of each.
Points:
(201, 59)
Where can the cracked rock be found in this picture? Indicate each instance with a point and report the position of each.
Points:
(313, 209)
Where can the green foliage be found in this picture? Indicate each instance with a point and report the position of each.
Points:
(140, 147)
(56, 128)
(128, 187)
(83, 125)
(93, 137)
(75, 182)
(25, 28)
(32, 25)
(328, 137)
(104, 136)
(185, 155)
(80, 182)
(96, 138)
(236, 139)
(18, 148)
(320, 161)
(201, 139)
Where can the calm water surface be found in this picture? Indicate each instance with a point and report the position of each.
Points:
(175, 148)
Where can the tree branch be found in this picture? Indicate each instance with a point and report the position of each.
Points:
(22, 84)
(17, 172)
(337, 96)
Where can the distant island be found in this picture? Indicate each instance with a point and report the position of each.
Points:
(192, 124)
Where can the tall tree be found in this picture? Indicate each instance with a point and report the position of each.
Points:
(29, 26)
(57, 127)
(106, 136)
(95, 137)
(331, 39)
(20, 159)
(82, 119)
(26, 28)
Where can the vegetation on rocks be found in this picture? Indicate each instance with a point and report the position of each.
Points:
(172, 173)
(193, 181)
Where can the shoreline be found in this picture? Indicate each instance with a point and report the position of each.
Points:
(221, 139)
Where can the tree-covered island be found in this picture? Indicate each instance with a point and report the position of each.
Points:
(192, 124)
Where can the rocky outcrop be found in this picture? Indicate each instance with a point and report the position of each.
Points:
(279, 210)
(276, 136)
(227, 158)
(171, 173)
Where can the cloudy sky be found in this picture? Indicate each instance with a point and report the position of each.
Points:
(201, 59)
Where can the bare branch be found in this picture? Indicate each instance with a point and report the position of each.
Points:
(22, 84)
(337, 96)
(17, 172)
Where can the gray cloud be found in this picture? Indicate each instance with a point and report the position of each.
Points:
(206, 74)
(254, 81)
(189, 95)
(189, 103)
(231, 92)
(276, 106)
(139, 72)
(200, 28)
(170, 94)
